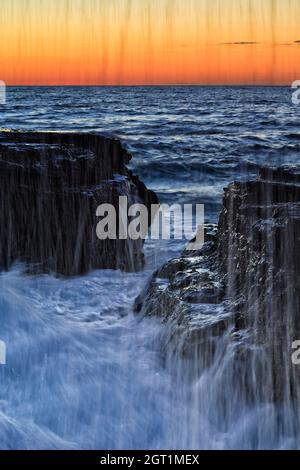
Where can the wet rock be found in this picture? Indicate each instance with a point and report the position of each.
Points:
(243, 287)
(50, 187)
(187, 293)
(258, 256)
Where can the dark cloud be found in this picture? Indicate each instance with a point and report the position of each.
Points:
(297, 42)
(239, 43)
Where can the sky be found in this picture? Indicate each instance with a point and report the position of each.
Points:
(134, 42)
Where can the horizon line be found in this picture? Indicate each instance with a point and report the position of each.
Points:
(150, 85)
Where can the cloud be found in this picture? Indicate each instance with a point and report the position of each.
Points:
(294, 43)
(239, 43)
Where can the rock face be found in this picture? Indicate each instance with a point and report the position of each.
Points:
(243, 287)
(188, 294)
(50, 187)
(259, 259)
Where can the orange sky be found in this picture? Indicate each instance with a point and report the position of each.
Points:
(149, 41)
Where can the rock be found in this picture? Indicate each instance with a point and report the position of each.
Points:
(189, 294)
(258, 257)
(50, 187)
(243, 287)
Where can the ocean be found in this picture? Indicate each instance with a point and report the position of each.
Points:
(83, 371)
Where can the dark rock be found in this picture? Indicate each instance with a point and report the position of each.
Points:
(188, 293)
(258, 253)
(50, 187)
(243, 287)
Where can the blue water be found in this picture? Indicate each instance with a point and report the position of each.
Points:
(82, 371)
(187, 142)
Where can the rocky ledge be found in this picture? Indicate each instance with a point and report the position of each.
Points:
(50, 187)
(243, 287)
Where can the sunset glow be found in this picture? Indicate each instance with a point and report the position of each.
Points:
(116, 42)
